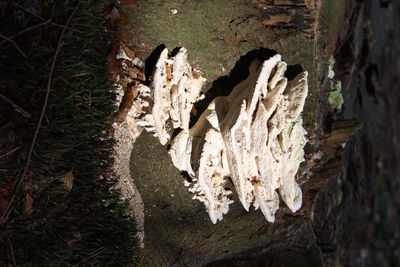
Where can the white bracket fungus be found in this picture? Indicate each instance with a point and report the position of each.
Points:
(254, 136)
(174, 90)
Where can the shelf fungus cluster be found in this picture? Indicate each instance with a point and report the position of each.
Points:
(254, 135)
(175, 87)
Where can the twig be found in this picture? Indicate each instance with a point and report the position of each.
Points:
(28, 160)
(15, 44)
(12, 250)
(27, 29)
(46, 97)
(16, 107)
(41, 18)
(9, 152)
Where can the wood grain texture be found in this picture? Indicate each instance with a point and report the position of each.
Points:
(288, 14)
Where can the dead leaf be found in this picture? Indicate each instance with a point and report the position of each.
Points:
(68, 180)
(28, 204)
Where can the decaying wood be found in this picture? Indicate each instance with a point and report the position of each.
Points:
(341, 132)
(288, 14)
(126, 103)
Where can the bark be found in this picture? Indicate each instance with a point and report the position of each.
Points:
(294, 14)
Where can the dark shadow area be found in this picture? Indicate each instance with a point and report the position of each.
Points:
(175, 51)
(259, 257)
(187, 176)
(151, 62)
(292, 71)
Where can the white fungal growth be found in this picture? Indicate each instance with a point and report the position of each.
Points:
(254, 136)
(175, 90)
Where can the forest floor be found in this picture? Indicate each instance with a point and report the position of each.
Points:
(58, 200)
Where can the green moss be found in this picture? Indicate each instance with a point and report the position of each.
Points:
(331, 20)
(331, 61)
(205, 28)
(335, 98)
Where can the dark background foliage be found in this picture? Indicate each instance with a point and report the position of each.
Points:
(49, 224)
